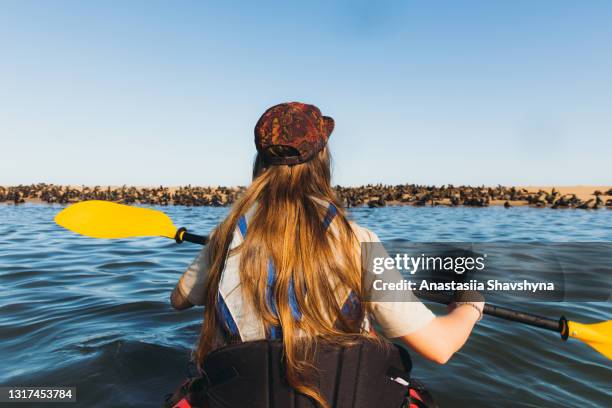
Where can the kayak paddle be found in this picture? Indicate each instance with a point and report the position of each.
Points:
(596, 335)
(105, 219)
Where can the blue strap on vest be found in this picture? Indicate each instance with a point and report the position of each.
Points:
(329, 217)
(242, 225)
(352, 306)
(276, 331)
(226, 317)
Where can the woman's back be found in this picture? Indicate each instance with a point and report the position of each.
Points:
(286, 263)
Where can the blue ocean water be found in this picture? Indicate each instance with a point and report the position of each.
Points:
(95, 314)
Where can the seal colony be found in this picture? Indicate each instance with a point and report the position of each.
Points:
(371, 195)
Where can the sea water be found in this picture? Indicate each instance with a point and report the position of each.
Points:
(95, 314)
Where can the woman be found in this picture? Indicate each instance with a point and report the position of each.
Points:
(286, 262)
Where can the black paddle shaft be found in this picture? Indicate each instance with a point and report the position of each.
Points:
(183, 235)
(558, 326)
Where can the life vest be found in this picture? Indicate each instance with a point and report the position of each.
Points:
(230, 330)
(251, 375)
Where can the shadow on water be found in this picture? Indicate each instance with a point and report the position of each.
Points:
(117, 374)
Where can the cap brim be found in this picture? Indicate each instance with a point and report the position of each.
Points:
(328, 124)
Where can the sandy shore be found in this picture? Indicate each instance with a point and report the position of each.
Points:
(582, 192)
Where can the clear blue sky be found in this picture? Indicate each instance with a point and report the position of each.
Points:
(463, 92)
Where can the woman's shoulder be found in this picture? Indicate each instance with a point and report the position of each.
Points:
(363, 234)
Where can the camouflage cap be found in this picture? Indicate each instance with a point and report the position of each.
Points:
(294, 125)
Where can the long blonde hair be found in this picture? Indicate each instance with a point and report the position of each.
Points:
(287, 229)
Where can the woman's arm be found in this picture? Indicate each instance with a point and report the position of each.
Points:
(397, 313)
(189, 291)
(178, 300)
(444, 335)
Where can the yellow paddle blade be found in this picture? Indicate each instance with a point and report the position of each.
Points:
(103, 219)
(596, 335)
